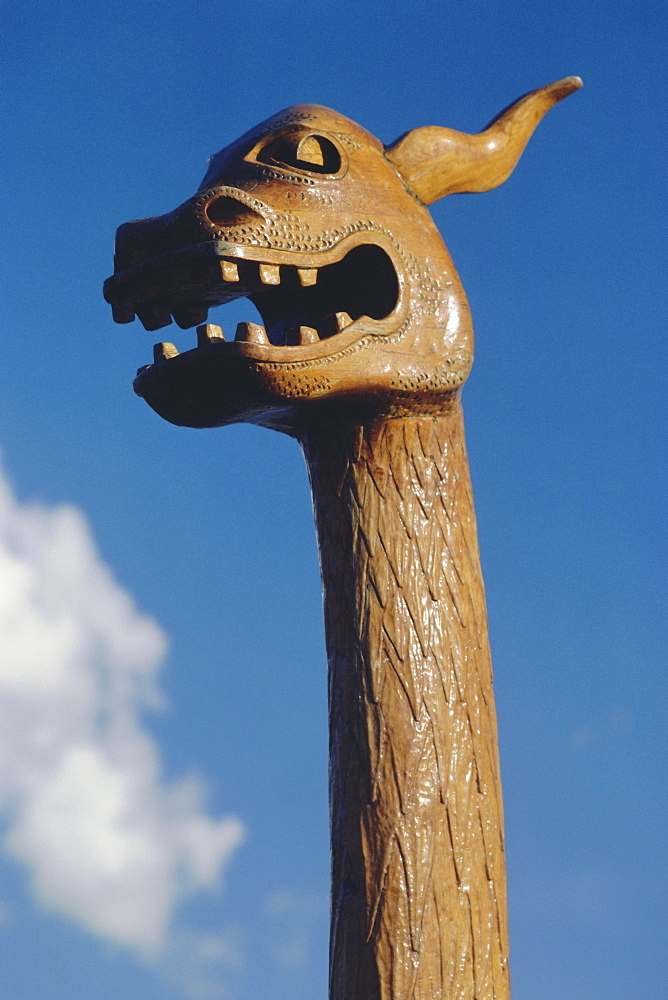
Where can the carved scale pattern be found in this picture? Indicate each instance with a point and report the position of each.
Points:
(411, 705)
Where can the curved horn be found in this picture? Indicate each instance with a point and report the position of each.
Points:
(436, 161)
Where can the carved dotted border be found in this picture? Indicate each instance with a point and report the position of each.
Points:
(284, 231)
(442, 377)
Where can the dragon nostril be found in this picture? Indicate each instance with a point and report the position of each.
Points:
(227, 211)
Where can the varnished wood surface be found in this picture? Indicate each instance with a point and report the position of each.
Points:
(437, 161)
(418, 867)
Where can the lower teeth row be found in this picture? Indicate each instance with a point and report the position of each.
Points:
(253, 333)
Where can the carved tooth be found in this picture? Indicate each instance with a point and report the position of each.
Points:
(270, 274)
(307, 275)
(229, 270)
(162, 352)
(208, 333)
(190, 315)
(251, 333)
(154, 317)
(307, 335)
(335, 324)
(122, 313)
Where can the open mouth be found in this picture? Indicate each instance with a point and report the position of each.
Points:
(300, 304)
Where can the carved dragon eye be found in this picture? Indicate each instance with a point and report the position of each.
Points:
(312, 152)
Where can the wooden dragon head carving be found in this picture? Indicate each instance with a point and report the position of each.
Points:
(327, 232)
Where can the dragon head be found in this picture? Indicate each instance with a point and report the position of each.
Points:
(327, 232)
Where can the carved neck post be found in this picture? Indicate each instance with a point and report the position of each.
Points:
(418, 867)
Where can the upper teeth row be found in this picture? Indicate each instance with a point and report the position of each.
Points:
(253, 333)
(156, 316)
(270, 274)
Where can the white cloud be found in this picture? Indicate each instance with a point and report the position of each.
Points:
(106, 841)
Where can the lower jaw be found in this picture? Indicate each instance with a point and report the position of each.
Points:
(251, 342)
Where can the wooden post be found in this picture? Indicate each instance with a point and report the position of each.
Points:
(365, 344)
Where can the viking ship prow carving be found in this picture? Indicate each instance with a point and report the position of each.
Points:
(365, 343)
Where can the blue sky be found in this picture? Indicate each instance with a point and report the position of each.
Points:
(162, 672)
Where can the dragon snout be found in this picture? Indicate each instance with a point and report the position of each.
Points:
(198, 220)
(144, 239)
(144, 245)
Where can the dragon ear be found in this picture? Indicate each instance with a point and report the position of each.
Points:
(436, 161)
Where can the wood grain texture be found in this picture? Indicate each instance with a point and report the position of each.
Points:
(418, 868)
